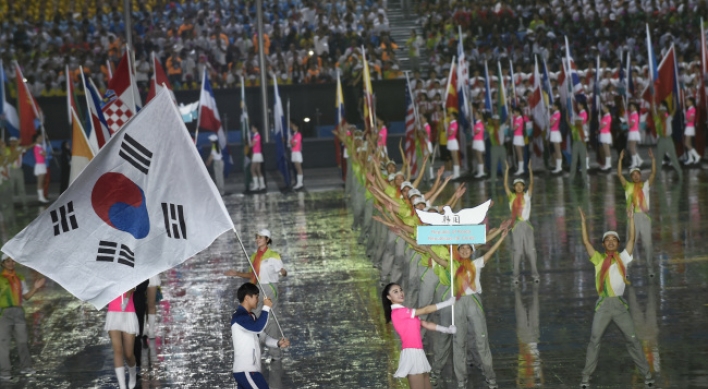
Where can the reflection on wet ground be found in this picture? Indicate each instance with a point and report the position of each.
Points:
(330, 306)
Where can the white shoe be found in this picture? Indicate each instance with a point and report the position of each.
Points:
(40, 196)
(519, 171)
(559, 166)
(640, 161)
(689, 158)
(299, 182)
(696, 157)
(634, 163)
(480, 171)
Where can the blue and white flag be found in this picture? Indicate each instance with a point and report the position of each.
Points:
(280, 135)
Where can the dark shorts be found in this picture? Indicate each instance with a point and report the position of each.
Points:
(251, 380)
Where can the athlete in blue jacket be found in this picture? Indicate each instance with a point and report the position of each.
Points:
(245, 330)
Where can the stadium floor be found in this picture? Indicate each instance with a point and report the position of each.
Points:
(331, 312)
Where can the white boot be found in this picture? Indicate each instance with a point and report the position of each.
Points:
(696, 157)
(254, 184)
(559, 166)
(152, 323)
(261, 183)
(587, 163)
(480, 171)
(640, 161)
(299, 182)
(40, 196)
(431, 173)
(455, 171)
(519, 170)
(634, 163)
(120, 374)
(133, 377)
(608, 164)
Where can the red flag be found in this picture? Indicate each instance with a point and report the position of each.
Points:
(27, 107)
(666, 84)
(451, 99)
(159, 78)
(121, 99)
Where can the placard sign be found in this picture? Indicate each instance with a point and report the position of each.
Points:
(455, 234)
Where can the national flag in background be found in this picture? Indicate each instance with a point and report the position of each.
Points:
(121, 101)
(70, 95)
(502, 107)
(280, 126)
(547, 84)
(595, 107)
(369, 110)
(135, 211)
(158, 79)
(452, 103)
(487, 90)
(702, 107)
(81, 153)
(576, 86)
(463, 111)
(7, 112)
(99, 134)
(410, 121)
(666, 87)
(209, 120)
(539, 111)
(30, 117)
(341, 121)
(514, 97)
(653, 72)
(245, 134)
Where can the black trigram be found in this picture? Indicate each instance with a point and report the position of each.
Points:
(109, 252)
(174, 221)
(135, 153)
(63, 218)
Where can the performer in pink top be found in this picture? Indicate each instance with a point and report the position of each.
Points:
(413, 362)
(383, 137)
(692, 157)
(40, 166)
(633, 137)
(258, 183)
(478, 142)
(606, 137)
(428, 143)
(122, 327)
(452, 145)
(519, 141)
(556, 138)
(296, 158)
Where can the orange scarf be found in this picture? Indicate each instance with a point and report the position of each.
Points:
(464, 276)
(15, 287)
(517, 207)
(638, 196)
(257, 265)
(605, 270)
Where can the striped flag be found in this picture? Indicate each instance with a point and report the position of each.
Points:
(81, 153)
(99, 134)
(410, 145)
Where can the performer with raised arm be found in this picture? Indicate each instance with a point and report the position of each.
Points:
(469, 313)
(413, 362)
(522, 232)
(636, 193)
(610, 280)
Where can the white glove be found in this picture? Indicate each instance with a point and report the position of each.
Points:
(446, 330)
(444, 304)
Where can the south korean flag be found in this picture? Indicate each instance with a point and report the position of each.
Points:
(143, 205)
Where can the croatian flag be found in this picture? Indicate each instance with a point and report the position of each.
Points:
(121, 101)
(537, 103)
(134, 212)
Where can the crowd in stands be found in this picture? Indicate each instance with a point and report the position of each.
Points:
(309, 41)
(305, 41)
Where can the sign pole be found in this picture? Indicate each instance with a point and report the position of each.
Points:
(452, 286)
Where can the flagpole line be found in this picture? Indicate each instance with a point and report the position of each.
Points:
(257, 278)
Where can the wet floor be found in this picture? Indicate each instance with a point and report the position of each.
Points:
(331, 312)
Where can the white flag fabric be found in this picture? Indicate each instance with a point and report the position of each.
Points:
(143, 205)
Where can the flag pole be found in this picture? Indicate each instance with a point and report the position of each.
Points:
(199, 109)
(257, 278)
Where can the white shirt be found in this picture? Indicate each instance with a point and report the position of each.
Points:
(270, 270)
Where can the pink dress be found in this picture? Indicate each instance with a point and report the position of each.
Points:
(407, 325)
(518, 126)
(39, 154)
(383, 134)
(256, 143)
(690, 122)
(479, 131)
(296, 142)
(452, 131)
(605, 125)
(555, 121)
(633, 122)
(121, 315)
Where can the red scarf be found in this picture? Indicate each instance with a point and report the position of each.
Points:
(517, 207)
(605, 270)
(638, 195)
(257, 265)
(15, 286)
(464, 276)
